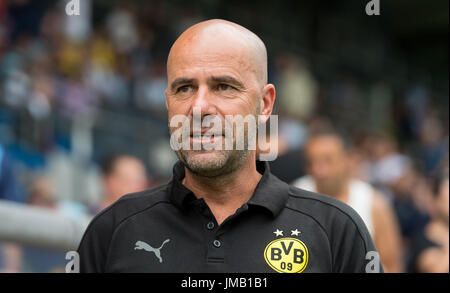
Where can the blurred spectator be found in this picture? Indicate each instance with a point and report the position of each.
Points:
(76, 99)
(37, 259)
(104, 80)
(396, 175)
(417, 101)
(8, 185)
(328, 165)
(122, 174)
(42, 193)
(288, 166)
(289, 163)
(386, 164)
(149, 90)
(430, 246)
(102, 54)
(10, 253)
(412, 202)
(70, 58)
(78, 28)
(10, 258)
(433, 146)
(16, 88)
(379, 112)
(121, 27)
(345, 100)
(297, 88)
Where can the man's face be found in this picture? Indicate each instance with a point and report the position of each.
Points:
(328, 163)
(129, 176)
(217, 78)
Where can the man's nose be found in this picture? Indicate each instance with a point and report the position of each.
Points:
(204, 101)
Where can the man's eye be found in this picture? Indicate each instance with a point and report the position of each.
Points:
(184, 88)
(224, 87)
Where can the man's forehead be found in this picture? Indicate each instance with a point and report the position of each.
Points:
(209, 48)
(210, 63)
(218, 43)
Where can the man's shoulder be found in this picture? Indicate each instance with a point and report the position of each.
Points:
(326, 210)
(146, 197)
(348, 236)
(303, 198)
(132, 204)
(104, 224)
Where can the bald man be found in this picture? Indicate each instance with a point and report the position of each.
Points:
(223, 211)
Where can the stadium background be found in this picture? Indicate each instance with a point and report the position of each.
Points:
(75, 89)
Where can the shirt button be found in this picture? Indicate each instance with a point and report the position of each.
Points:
(217, 243)
(210, 225)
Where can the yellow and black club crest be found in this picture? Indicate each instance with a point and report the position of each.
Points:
(286, 255)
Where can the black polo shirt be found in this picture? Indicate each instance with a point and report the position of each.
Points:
(280, 229)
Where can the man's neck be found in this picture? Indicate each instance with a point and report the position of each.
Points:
(225, 194)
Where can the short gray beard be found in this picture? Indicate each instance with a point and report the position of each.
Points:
(227, 163)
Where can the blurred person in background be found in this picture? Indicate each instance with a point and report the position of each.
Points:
(149, 89)
(10, 253)
(430, 247)
(399, 177)
(38, 259)
(386, 163)
(9, 189)
(297, 94)
(289, 164)
(121, 174)
(121, 26)
(298, 89)
(106, 73)
(412, 199)
(433, 145)
(328, 165)
(42, 194)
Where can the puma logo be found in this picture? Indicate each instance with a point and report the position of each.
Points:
(157, 251)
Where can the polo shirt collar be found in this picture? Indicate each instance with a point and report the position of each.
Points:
(270, 192)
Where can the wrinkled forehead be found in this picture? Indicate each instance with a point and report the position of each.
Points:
(217, 47)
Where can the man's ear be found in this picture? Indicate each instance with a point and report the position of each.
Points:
(267, 101)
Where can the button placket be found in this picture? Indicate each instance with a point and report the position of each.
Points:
(215, 253)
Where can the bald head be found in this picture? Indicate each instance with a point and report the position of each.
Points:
(212, 38)
(219, 68)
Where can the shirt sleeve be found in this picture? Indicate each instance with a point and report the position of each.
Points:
(94, 246)
(353, 248)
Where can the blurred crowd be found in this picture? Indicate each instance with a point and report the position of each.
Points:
(83, 121)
